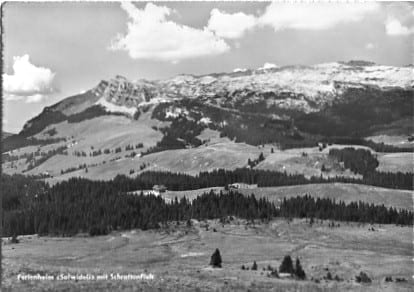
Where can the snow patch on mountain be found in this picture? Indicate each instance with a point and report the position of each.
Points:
(239, 70)
(267, 66)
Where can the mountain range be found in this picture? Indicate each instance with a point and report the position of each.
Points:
(190, 123)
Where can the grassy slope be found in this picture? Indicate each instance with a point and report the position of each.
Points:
(118, 131)
(221, 155)
(100, 133)
(395, 162)
(292, 161)
(218, 153)
(395, 140)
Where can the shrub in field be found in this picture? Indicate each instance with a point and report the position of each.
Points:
(328, 276)
(362, 278)
(273, 272)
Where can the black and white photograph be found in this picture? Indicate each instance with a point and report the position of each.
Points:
(207, 146)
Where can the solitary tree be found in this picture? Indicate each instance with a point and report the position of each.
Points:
(216, 259)
(287, 265)
(300, 273)
(254, 267)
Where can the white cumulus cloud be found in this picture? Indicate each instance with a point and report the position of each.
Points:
(280, 16)
(27, 81)
(35, 98)
(151, 36)
(394, 27)
(314, 16)
(231, 26)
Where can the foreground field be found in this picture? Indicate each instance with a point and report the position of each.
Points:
(178, 257)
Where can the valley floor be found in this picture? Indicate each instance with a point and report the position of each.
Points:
(178, 257)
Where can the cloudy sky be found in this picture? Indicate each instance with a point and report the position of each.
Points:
(54, 50)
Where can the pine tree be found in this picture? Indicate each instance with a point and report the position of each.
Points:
(287, 265)
(254, 267)
(300, 273)
(216, 259)
(261, 157)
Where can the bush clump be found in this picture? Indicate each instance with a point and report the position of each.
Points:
(363, 278)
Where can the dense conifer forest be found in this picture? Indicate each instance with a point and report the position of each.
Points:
(98, 207)
(358, 160)
(366, 110)
(264, 178)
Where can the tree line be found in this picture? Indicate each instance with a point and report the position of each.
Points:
(263, 178)
(326, 208)
(98, 207)
(377, 147)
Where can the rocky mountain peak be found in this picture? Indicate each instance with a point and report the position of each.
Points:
(307, 88)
